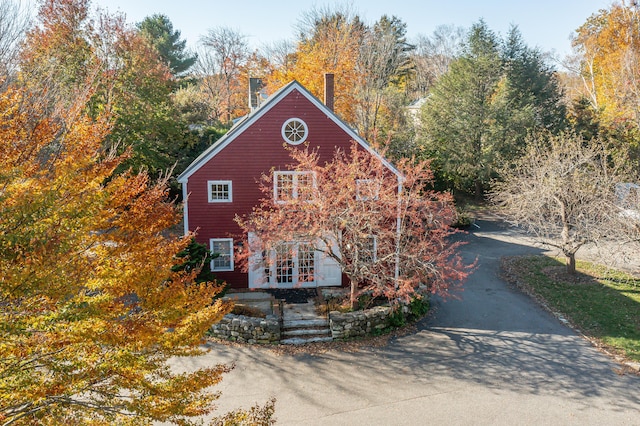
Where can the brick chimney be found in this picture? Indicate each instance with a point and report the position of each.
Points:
(255, 92)
(328, 90)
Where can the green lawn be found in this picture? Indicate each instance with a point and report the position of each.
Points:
(602, 304)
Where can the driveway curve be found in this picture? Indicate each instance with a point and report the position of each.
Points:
(492, 357)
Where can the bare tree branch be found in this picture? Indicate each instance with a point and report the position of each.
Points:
(563, 191)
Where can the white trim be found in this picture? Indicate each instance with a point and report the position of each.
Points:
(292, 251)
(237, 130)
(332, 115)
(210, 183)
(256, 275)
(327, 271)
(230, 254)
(185, 208)
(284, 135)
(294, 174)
(398, 232)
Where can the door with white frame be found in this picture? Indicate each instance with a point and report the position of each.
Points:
(296, 264)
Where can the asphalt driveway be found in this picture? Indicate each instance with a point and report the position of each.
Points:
(493, 357)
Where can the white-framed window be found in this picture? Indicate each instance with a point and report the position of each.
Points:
(294, 131)
(293, 185)
(290, 263)
(367, 189)
(223, 247)
(220, 191)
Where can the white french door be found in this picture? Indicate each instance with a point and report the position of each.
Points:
(291, 265)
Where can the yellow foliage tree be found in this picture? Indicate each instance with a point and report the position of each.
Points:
(330, 43)
(90, 311)
(609, 44)
(371, 65)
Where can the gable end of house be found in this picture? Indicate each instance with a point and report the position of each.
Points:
(272, 101)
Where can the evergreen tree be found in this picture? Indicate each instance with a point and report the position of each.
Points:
(480, 112)
(458, 116)
(158, 29)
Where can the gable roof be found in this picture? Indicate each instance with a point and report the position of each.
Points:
(273, 100)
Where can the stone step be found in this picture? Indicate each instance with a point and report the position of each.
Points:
(300, 332)
(302, 341)
(301, 323)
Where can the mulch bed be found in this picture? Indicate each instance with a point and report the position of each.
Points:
(294, 295)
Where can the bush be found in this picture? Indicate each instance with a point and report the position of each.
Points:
(197, 257)
(463, 219)
(397, 318)
(248, 311)
(418, 307)
(367, 300)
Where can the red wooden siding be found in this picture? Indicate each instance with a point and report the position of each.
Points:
(253, 152)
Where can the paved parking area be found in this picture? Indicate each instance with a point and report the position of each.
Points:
(492, 357)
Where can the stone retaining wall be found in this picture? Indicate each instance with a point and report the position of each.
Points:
(359, 323)
(240, 328)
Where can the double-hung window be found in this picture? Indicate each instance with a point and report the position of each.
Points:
(293, 185)
(223, 247)
(220, 191)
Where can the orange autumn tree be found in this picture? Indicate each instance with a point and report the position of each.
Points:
(388, 242)
(609, 47)
(72, 45)
(90, 311)
(329, 42)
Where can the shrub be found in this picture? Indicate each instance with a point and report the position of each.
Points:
(397, 318)
(247, 311)
(196, 256)
(463, 219)
(418, 307)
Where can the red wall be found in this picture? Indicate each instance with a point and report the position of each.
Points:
(244, 160)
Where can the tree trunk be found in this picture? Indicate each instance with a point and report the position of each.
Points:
(479, 193)
(571, 263)
(354, 289)
(569, 250)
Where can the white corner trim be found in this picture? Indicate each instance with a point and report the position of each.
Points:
(185, 208)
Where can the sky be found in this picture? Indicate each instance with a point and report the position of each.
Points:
(547, 24)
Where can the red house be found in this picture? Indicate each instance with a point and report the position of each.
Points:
(223, 181)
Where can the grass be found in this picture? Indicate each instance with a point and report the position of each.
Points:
(603, 304)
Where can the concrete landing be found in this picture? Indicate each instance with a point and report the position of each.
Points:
(301, 324)
(300, 311)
